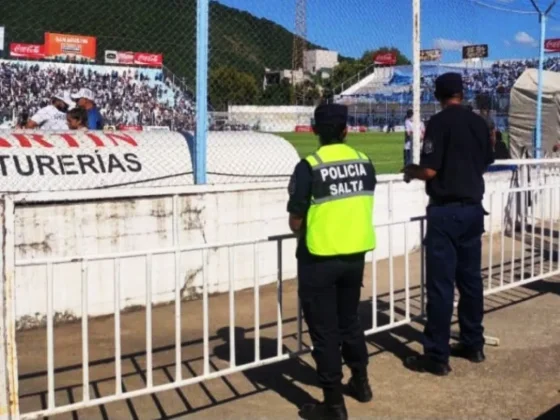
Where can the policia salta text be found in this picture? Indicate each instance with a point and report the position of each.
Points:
(331, 210)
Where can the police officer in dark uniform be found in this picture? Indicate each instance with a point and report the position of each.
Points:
(457, 151)
(331, 211)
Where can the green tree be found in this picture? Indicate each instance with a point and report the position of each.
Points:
(346, 72)
(229, 86)
(367, 57)
(277, 94)
(309, 93)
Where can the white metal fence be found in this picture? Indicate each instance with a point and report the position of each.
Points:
(521, 244)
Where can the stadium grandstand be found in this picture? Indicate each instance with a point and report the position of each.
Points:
(136, 96)
(386, 93)
(126, 96)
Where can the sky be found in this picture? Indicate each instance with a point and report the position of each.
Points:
(510, 27)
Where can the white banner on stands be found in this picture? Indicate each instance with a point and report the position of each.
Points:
(62, 161)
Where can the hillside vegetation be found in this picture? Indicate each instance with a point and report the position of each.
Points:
(237, 39)
(241, 45)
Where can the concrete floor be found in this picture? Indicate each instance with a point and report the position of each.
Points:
(520, 380)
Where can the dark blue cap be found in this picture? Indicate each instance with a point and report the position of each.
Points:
(448, 84)
(331, 114)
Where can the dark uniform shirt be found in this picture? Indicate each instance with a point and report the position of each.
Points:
(299, 203)
(458, 147)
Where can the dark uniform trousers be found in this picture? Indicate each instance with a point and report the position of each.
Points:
(329, 291)
(453, 254)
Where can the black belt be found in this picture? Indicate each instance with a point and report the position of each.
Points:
(452, 203)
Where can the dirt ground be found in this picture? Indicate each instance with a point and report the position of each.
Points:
(520, 380)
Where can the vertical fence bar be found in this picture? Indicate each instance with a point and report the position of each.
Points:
(422, 270)
(201, 90)
(391, 278)
(257, 295)
(205, 315)
(503, 240)
(513, 235)
(558, 226)
(406, 273)
(533, 195)
(231, 286)
(9, 398)
(551, 244)
(491, 244)
(279, 301)
(416, 79)
(523, 213)
(542, 229)
(149, 360)
(85, 331)
(299, 326)
(373, 290)
(117, 304)
(177, 256)
(50, 336)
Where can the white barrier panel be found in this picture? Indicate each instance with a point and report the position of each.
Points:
(62, 161)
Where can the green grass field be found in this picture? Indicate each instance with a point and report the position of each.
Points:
(385, 150)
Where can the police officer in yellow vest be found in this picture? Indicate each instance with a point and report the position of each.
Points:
(331, 211)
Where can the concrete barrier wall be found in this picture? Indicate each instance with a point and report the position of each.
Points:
(206, 215)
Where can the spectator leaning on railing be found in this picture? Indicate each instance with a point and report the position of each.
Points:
(53, 116)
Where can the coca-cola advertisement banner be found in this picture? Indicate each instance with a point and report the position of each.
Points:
(148, 59)
(32, 51)
(552, 45)
(119, 57)
(133, 58)
(385, 59)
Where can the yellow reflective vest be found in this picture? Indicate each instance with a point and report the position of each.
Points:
(340, 219)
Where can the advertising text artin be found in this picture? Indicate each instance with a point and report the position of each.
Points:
(65, 154)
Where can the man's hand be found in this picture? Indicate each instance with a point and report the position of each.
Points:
(413, 171)
(295, 223)
(407, 173)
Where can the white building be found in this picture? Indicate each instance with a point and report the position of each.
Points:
(316, 61)
(274, 77)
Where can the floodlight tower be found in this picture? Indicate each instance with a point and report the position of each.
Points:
(300, 46)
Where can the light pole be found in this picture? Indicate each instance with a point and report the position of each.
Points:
(538, 129)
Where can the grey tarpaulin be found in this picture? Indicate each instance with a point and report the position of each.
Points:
(523, 113)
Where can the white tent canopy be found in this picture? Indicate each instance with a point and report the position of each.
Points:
(523, 113)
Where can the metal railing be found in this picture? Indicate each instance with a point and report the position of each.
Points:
(179, 381)
(526, 213)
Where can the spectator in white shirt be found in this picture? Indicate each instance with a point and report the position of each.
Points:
(53, 116)
(408, 135)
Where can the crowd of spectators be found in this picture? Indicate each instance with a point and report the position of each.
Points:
(497, 80)
(126, 97)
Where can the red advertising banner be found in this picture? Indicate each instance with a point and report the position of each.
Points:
(119, 57)
(32, 51)
(148, 59)
(304, 129)
(67, 45)
(385, 59)
(552, 45)
(357, 129)
(123, 127)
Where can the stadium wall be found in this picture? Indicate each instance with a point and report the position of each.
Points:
(272, 119)
(76, 225)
